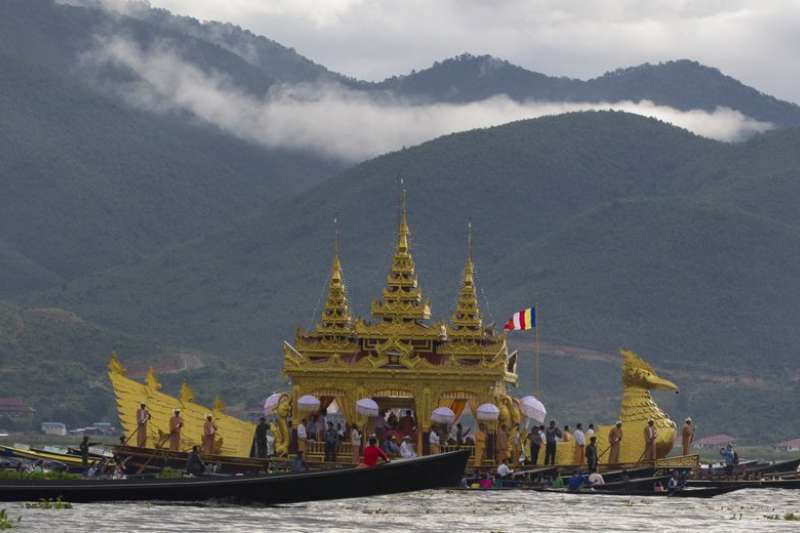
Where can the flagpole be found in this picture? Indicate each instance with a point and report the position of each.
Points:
(536, 368)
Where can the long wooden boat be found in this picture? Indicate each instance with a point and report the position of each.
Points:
(152, 460)
(645, 483)
(709, 492)
(428, 472)
(73, 463)
(780, 466)
(747, 483)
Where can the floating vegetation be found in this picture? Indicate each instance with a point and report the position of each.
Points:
(170, 473)
(791, 517)
(6, 522)
(57, 504)
(7, 474)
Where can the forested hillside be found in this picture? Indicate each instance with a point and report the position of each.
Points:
(614, 224)
(147, 230)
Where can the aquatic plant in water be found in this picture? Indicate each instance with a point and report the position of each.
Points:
(47, 503)
(6, 522)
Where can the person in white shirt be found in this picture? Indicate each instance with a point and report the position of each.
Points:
(589, 431)
(407, 449)
(355, 443)
(433, 442)
(503, 471)
(580, 444)
(596, 479)
(302, 435)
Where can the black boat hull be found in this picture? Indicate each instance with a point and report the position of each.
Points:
(399, 476)
(686, 493)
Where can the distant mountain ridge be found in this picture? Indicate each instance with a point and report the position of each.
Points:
(682, 84)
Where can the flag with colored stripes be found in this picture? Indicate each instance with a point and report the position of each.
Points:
(522, 320)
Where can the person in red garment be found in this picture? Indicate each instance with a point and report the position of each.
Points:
(372, 453)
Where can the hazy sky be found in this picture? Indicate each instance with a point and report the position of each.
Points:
(757, 42)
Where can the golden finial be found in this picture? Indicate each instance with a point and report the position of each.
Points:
(187, 394)
(115, 367)
(467, 316)
(153, 385)
(219, 406)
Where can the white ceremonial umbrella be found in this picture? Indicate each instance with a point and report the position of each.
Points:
(367, 407)
(308, 403)
(443, 415)
(487, 411)
(533, 408)
(271, 403)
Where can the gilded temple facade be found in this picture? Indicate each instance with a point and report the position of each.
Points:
(400, 358)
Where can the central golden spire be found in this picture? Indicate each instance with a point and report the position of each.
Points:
(336, 318)
(467, 316)
(402, 299)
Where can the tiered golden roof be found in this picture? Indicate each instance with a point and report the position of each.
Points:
(401, 356)
(402, 297)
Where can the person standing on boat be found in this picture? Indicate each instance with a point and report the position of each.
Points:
(589, 431)
(614, 443)
(650, 436)
(536, 438)
(580, 443)
(730, 458)
(331, 442)
(566, 436)
(261, 438)
(591, 454)
(209, 434)
(551, 436)
(355, 444)
(480, 444)
(461, 434)
(175, 426)
(501, 450)
(142, 416)
(302, 436)
(84, 448)
(688, 435)
(434, 442)
(516, 445)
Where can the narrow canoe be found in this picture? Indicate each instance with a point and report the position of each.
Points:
(685, 493)
(72, 462)
(427, 472)
(747, 483)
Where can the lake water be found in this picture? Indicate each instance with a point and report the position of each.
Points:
(435, 511)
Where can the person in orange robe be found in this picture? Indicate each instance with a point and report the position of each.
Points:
(650, 435)
(209, 434)
(142, 416)
(480, 444)
(688, 435)
(614, 441)
(175, 425)
(501, 450)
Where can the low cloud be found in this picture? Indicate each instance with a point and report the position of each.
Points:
(347, 124)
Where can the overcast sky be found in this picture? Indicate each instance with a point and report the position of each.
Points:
(757, 42)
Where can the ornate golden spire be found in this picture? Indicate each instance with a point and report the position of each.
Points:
(467, 317)
(402, 299)
(336, 318)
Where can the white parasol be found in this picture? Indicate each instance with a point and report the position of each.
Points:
(533, 408)
(443, 415)
(271, 403)
(487, 411)
(308, 403)
(367, 407)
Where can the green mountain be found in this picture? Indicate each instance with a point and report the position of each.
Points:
(89, 182)
(624, 230)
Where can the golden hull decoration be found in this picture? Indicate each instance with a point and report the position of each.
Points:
(638, 379)
(234, 436)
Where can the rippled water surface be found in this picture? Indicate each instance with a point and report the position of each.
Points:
(499, 511)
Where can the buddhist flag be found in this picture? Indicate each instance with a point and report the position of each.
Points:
(522, 320)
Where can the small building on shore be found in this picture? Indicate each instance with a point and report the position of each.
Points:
(715, 441)
(791, 445)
